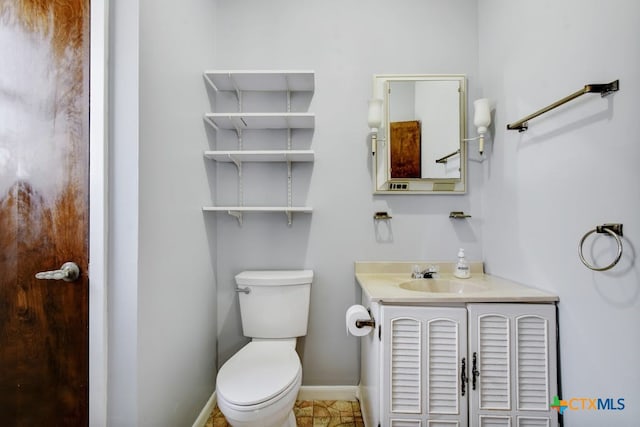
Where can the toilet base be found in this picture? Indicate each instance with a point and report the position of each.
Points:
(275, 414)
(289, 422)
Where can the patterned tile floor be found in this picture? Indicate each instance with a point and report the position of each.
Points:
(312, 413)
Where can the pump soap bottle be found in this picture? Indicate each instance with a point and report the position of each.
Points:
(462, 270)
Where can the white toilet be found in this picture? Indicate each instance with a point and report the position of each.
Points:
(259, 384)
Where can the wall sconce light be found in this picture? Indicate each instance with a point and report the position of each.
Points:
(481, 120)
(375, 121)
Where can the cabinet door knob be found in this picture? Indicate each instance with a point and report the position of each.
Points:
(474, 370)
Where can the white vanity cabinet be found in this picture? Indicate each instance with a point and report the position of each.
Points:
(474, 364)
(424, 351)
(513, 369)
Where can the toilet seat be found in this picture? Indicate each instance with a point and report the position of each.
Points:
(259, 373)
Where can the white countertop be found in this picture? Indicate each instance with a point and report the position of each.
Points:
(381, 282)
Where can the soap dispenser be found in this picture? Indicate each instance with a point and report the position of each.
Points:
(462, 270)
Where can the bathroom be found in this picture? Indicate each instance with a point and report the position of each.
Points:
(173, 312)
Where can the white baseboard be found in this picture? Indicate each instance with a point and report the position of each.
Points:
(309, 392)
(201, 421)
(340, 392)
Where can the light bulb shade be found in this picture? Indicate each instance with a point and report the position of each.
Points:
(375, 113)
(482, 116)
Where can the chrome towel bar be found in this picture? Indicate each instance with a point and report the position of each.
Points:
(603, 89)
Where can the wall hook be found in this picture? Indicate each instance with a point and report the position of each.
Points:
(458, 215)
(381, 216)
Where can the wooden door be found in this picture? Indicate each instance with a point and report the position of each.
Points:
(406, 160)
(44, 123)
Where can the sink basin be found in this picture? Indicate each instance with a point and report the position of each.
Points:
(442, 286)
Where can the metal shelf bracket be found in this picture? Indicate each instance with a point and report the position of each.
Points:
(237, 215)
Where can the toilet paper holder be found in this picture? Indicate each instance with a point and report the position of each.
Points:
(363, 323)
(359, 321)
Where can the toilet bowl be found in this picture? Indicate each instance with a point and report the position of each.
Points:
(258, 386)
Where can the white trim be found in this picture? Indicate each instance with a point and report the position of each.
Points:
(341, 392)
(98, 214)
(364, 410)
(201, 421)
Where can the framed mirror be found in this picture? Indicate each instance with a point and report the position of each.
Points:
(419, 147)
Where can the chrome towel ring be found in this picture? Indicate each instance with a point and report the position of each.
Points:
(615, 230)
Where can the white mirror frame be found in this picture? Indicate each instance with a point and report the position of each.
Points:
(382, 181)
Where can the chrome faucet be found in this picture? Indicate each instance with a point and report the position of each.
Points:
(430, 273)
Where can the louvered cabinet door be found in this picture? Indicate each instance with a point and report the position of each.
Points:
(513, 350)
(493, 360)
(422, 352)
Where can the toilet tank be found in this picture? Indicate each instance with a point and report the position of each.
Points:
(277, 304)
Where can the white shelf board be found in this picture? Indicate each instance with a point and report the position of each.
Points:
(239, 211)
(261, 155)
(299, 209)
(261, 80)
(261, 120)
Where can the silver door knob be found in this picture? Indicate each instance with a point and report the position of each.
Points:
(68, 272)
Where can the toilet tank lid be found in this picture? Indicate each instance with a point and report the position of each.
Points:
(274, 277)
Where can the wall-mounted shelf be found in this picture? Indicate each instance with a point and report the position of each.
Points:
(241, 121)
(238, 211)
(260, 81)
(261, 156)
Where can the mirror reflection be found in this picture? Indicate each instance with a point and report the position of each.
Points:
(419, 146)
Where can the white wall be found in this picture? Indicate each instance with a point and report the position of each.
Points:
(121, 288)
(345, 43)
(176, 288)
(162, 290)
(575, 168)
